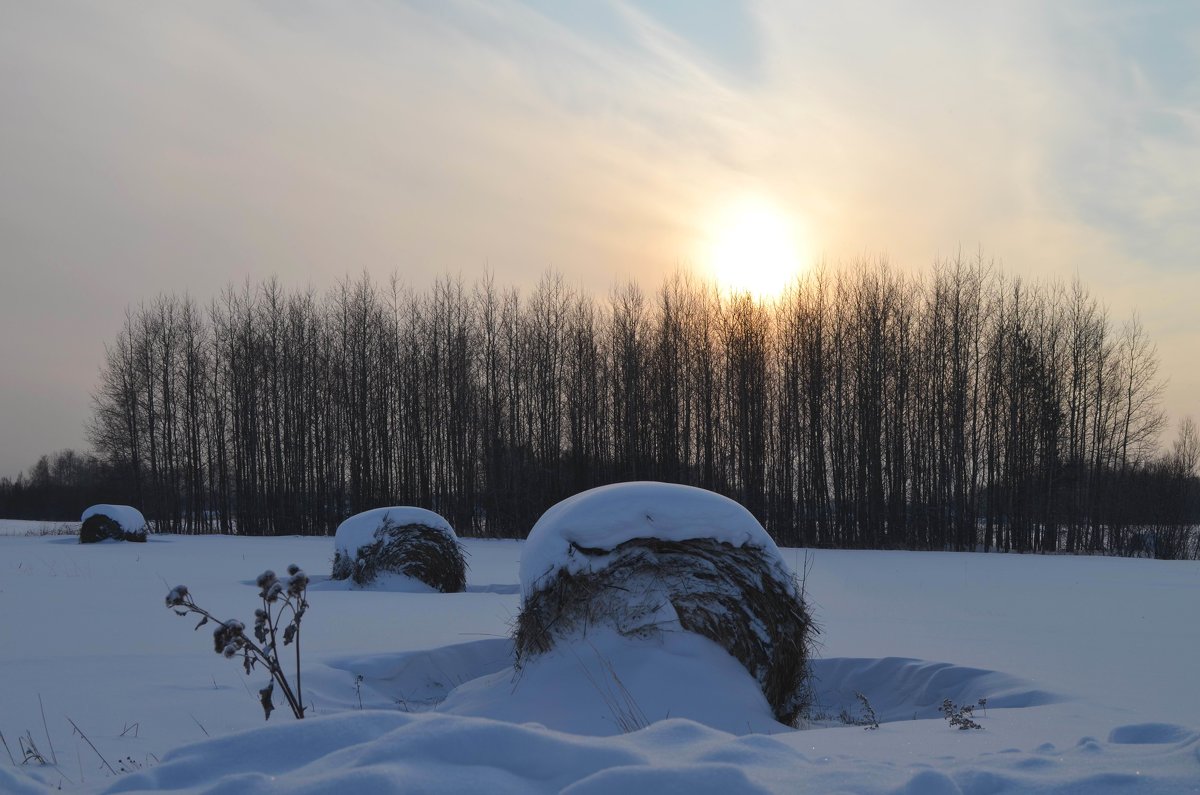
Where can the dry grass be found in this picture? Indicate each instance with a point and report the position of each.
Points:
(47, 529)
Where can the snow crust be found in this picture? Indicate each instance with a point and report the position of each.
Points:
(128, 518)
(359, 530)
(608, 516)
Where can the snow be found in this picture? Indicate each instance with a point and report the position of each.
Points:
(359, 530)
(615, 684)
(1088, 665)
(129, 519)
(384, 581)
(608, 516)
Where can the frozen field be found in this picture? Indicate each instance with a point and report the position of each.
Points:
(1089, 667)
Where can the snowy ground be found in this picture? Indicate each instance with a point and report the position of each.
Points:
(1088, 664)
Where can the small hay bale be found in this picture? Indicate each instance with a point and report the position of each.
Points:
(115, 522)
(402, 540)
(741, 595)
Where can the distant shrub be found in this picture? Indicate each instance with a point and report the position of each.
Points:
(961, 717)
(866, 717)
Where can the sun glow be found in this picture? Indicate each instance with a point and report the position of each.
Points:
(754, 247)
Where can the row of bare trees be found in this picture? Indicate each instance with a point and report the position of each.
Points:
(863, 408)
(59, 486)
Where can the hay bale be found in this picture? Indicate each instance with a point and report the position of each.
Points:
(409, 541)
(112, 522)
(646, 557)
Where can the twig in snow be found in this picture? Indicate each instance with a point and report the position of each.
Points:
(29, 750)
(201, 725)
(6, 748)
(247, 688)
(89, 742)
(53, 755)
(626, 712)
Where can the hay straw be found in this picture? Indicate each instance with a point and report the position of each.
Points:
(99, 527)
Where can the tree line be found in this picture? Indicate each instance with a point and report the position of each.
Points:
(60, 486)
(960, 409)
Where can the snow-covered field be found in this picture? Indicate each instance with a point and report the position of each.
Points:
(1089, 667)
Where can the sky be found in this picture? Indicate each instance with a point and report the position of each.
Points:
(150, 147)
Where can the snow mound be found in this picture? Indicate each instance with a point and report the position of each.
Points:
(389, 751)
(120, 522)
(419, 680)
(608, 516)
(1152, 734)
(385, 581)
(403, 541)
(13, 783)
(400, 752)
(901, 689)
(611, 684)
(582, 688)
(647, 558)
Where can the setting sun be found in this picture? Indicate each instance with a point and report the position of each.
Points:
(754, 247)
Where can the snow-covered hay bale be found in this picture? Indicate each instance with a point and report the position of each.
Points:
(116, 522)
(645, 557)
(413, 542)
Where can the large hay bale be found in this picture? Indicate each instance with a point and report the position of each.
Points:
(646, 557)
(112, 522)
(403, 540)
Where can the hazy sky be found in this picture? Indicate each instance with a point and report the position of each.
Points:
(150, 147)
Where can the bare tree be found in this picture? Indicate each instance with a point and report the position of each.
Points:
(862, 409)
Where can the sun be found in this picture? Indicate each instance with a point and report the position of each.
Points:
(754, 247)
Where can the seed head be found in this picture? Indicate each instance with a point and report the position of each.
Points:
(177, 596)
